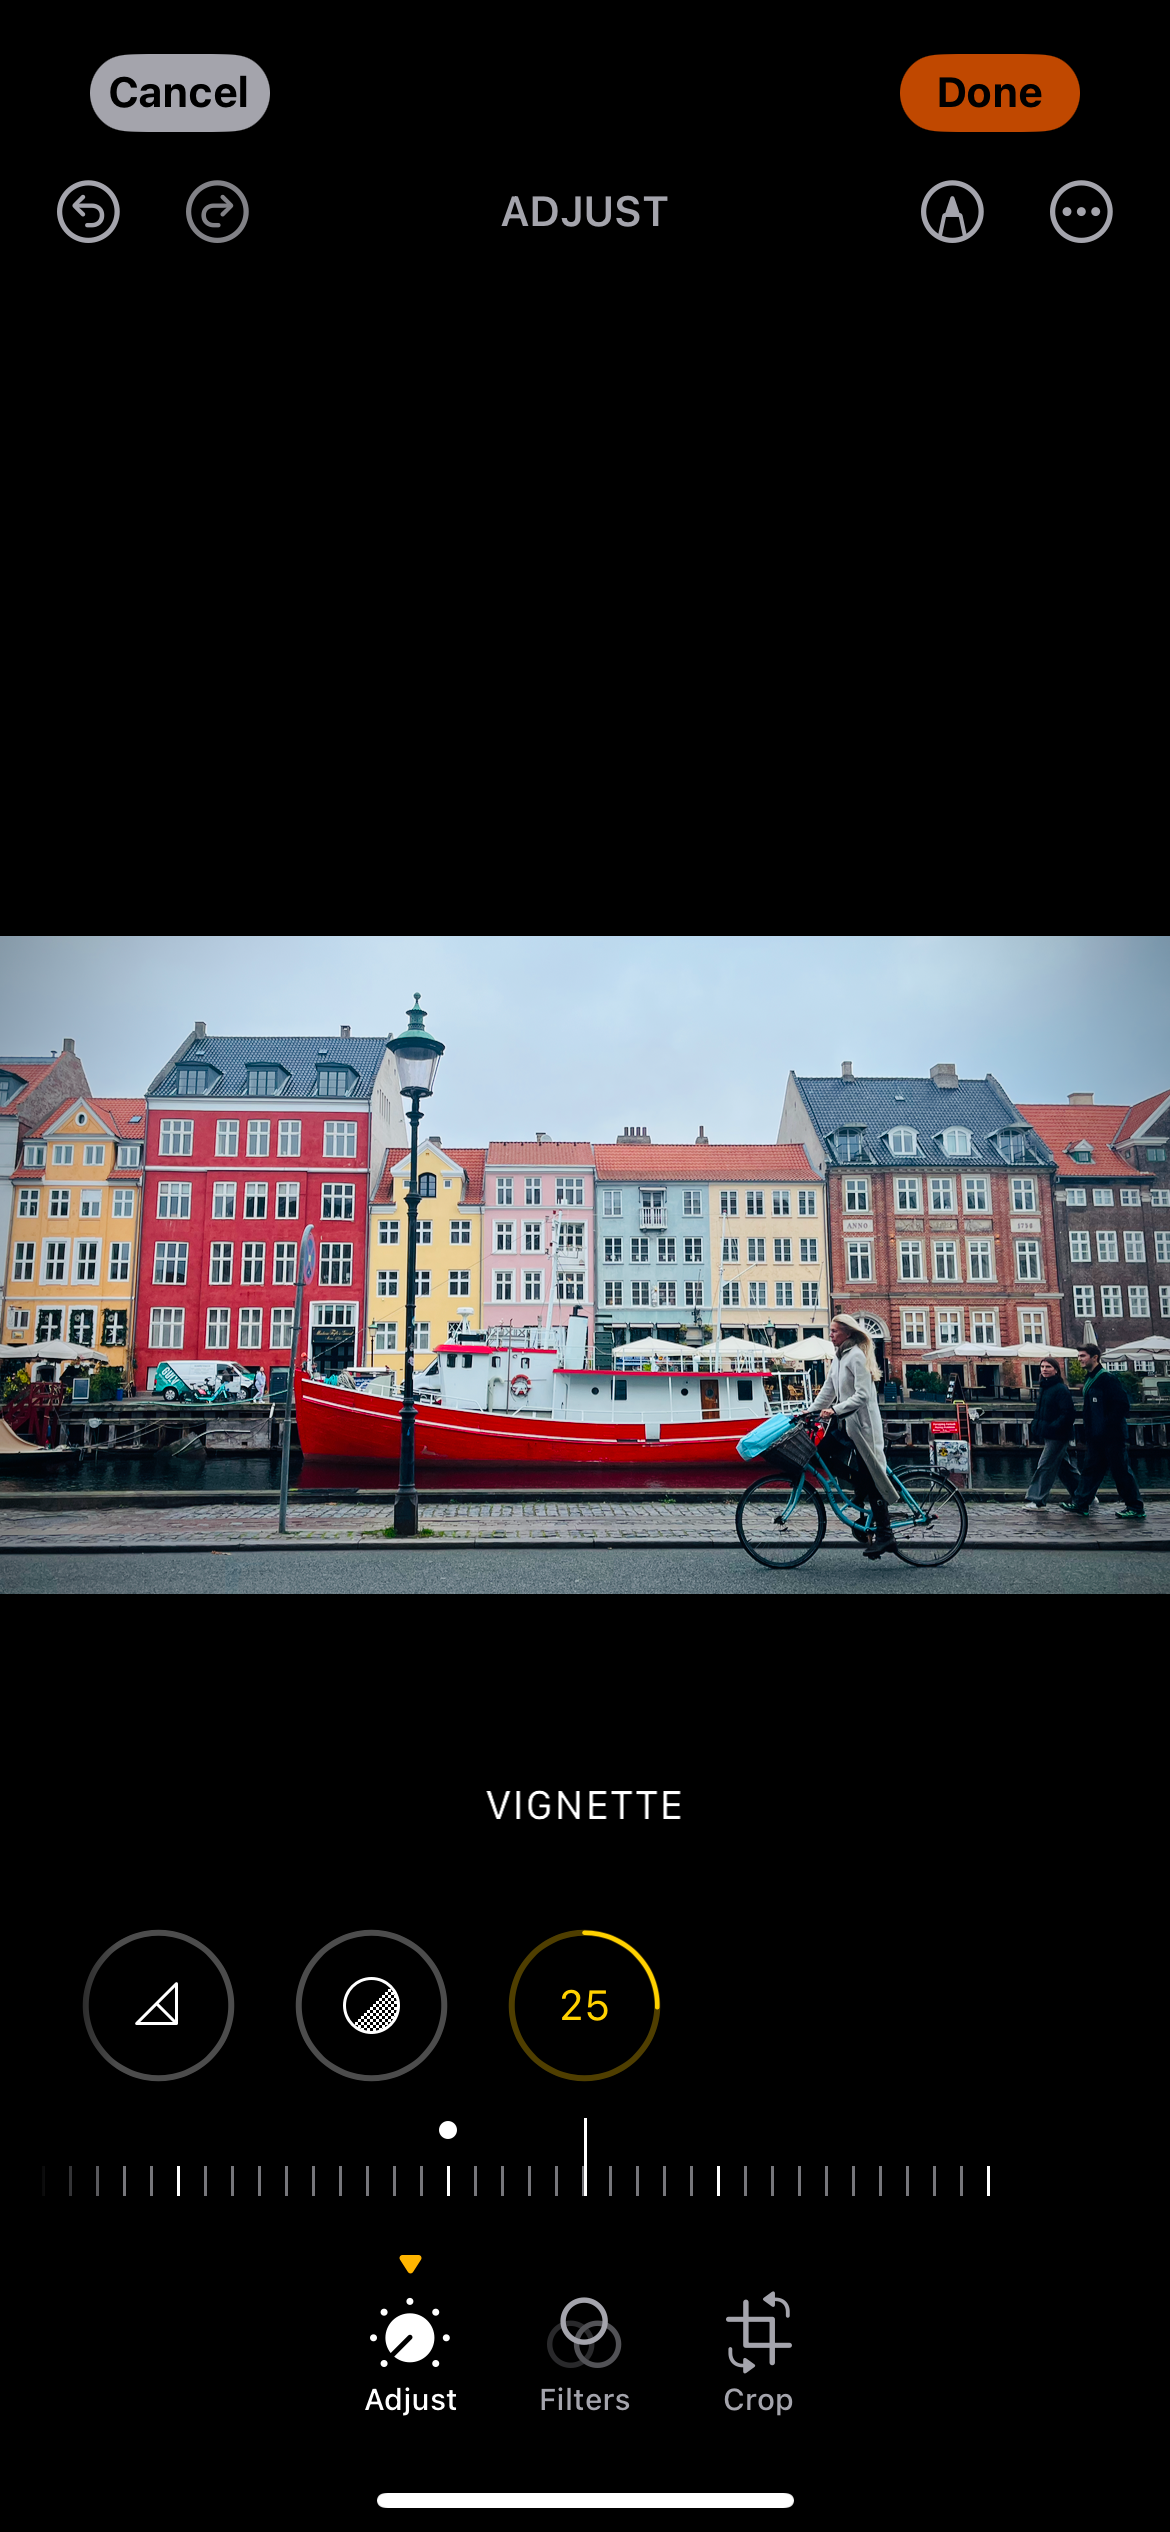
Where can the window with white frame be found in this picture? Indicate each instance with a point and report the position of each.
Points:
(255, 1200)
(782, 1250)
(422, 1336)
(569, 1191)
(1135, 1248)
(1084, 1301)
(387, 1233)
(613, 1249)
(223, 1200)
(728, 1200)
(1080, 1247)
(174, 1199)
(942, 1195)
(34, 1155)
(570, 1286)
(810, 1296)
(219, 1331)
(30, 1204)
(1139, 1301)
(910, 1261)
(24, 1261)
(58, 1203)
(757, 1296)
(503, 1191)
(782, 1201)
(129, 1155)
(503, 1283)
(948, 1327)
(337, 1263)
(175, 1138)
(808, 1253)
(336, 1201)
(251, 1330)
(166, 1329)
(460, 1233)
(91, 1203)
(258, 1134)
(1076, 1195)
(1033, 1327)
(387, 1283)
(1130, 1195)
(54, 1261)
(613, 1296)
(533, 1239)
(914, 1328)
(95, 1154)
(980, 1265)
(340, 1138)
(693, 1200)
(385, 1336)
(908, 1195)
(731, 1296)
(666, 1251)
(284, 1261)
(1102, 1195)
(115, 1327)
(806, 1201)
(665, 1296)
(757, 1251)
(81, 1327)
(119, 1272)
(282, 1329)
(288, 1200)
(975, 1196)
(49, 1324)
(956, 1141)
(1028, 1261)
(1160, 1195)
(1162, 1247)
(849, 1141)
(220, 1269)
(18, 1321)
(857, 1195)
(639, 1252)
(459, 1283)
(532, 1194)
(1164, 1300)
(693, 1296)
(731, 1252)
(252, 1268)
(1023, 1195)
(424, 1230)
(693, 1249)
(754, 1202)
(903, 1142)
(170, 1261)
(1106, 1246)
(1111, 1301)
(859, 1261)
(227, 1138)
(533, 1283)
(639, 1295)
(783, 1293)
(611, 1203)
(63, 1155)
(288, 1140)
(123, 1204)
(505, 1237)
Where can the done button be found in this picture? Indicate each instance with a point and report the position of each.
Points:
(990, 92)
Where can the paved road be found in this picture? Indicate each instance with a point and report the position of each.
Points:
(635, 1573)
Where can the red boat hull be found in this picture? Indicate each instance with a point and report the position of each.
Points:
(344, 1424)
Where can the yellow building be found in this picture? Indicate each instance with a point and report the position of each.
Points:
(76, 1226)
(769, 1241)
(449, 1262)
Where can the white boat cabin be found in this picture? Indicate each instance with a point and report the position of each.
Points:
(533, 1372)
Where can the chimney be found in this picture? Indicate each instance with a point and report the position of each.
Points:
(944, 1076)
(846, 1072)
(345, 1033)
(67, 1046)
(701, 1136)
(200, 1028)
(437, 1140)
(1076, 1098)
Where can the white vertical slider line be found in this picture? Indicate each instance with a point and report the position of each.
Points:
(960, 2180)
(879, 2180)
(97, 2180)
(367, 2178)
(205, 2180)
(178, 2180)
(585, 2161)
(339, 2180)
(152, 2180)
(717, 2180)
(123, 2180)
(286, 2179)
(313, 2172)
(934, 2180)
(232, 2173)
(664, 2180)
(611, 2180)
(448, 2180)
(637, 2180)
(745, 2180)
(826, 2180)
(258, 2181)
(853, 2191)
(799, 2191)
(501, 2180)
(772, 2169)
(907, 2179)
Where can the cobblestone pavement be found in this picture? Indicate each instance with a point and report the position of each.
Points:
(529, 1524)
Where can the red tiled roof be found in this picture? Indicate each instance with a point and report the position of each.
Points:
(471, 1161)
(726, 1161)
(31, 1069)
(550, 1155)
(1061, 1126)
(1138, 1117)
(125, 1117)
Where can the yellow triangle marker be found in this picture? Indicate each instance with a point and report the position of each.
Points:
(410, 2260)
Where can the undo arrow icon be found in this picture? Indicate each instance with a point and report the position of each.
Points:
(83, 206)
(223, 206)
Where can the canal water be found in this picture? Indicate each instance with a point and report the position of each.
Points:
(245, 1472)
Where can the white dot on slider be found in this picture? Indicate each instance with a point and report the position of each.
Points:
(448, 2128)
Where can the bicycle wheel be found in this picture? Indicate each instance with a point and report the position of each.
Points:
(935, 1533)
(774, 1529)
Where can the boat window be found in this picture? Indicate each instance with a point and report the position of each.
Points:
(619, 1389)
(684, 1393)
(596, 1390)
(465, 1359)
(745, 1388)
(450, 1362)
(495, 1362)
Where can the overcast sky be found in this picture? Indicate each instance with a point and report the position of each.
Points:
(579, 1037)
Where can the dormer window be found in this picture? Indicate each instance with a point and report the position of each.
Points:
(903, 1142)
(1013, 1147)
(1081, 1152)
(957, 1141)
(194, 1081)
(336, 1081)
(849, 1140)
(266, 1081)
(10, 1083)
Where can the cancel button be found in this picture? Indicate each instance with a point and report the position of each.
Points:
(179, 92)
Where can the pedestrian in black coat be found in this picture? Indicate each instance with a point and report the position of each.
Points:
(1052, 1425)
(1105, 1433)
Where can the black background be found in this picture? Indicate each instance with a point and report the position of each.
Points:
(809, 2016)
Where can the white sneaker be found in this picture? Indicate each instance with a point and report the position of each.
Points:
(1035, 1507)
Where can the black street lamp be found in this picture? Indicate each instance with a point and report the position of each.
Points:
(416, 1057)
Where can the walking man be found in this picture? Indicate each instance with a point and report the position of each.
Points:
(1106, 1438)
(1052, 1425)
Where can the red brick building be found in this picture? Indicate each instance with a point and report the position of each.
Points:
(1112, 1212)
(939, 1204)
(247, 1139)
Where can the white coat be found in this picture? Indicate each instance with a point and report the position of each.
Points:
(849, 1390)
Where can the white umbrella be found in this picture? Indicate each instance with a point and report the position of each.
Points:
(664, 1345)
(1147, 1346)
(814, 1349)
(55, 1352)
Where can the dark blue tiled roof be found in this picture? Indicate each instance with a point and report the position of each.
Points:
(300, 1056)
(875, 1105)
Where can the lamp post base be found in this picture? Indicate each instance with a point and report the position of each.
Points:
(406, 1513)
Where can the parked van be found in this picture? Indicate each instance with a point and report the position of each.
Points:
(200, 1380)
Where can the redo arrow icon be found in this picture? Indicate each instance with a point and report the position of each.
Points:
(164, 2010)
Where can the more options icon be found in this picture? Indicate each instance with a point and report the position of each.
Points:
(1081, 211)
(216, 213)
(88, 212)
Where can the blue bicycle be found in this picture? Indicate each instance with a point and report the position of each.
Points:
(781, 1518)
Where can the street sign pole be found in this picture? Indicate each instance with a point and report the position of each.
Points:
(306, 1267)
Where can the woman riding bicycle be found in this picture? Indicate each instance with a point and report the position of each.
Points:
(849, 1396)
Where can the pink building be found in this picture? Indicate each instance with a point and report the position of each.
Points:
(538, 1222)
